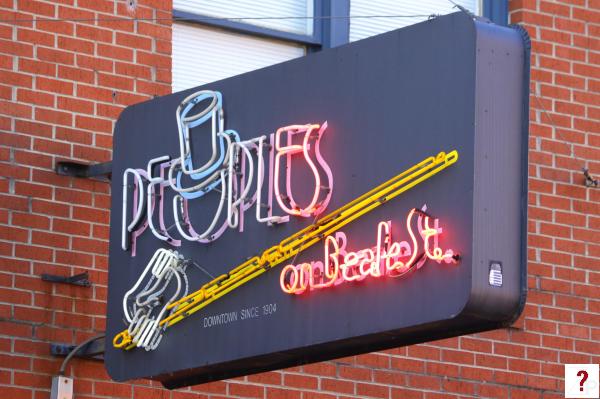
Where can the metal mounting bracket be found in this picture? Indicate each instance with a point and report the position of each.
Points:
(94, 350)
(589, 179)
(81, 279)
(77, 169)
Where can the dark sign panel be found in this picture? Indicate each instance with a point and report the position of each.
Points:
(360, 198)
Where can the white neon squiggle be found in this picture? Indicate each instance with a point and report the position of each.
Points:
(139, 185)
(147, 309)
(150, 200)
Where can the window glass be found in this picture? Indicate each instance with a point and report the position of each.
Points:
(361, 28)
(302, 9)
(202, 55)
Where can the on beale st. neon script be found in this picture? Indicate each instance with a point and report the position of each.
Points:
(387, 258)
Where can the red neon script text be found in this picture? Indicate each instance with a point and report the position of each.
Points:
(387, 258)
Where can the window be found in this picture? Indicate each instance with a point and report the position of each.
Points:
(215, 45)
(203, 54)
(361, 28)
(301, 10)
(222, 38)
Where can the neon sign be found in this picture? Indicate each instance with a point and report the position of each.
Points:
(384, 259)
(180, 309)
(231, 170)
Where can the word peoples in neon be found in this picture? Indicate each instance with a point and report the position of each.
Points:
(386, 258)
(235, 170)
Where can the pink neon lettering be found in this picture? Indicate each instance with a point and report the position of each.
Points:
(322, 193)
(381, 260)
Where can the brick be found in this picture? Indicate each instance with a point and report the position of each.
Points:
(54, 85)
(33, 252)
(322, 369)
(163, 47)
(91, 215)
(575, 331)
(115, 52)
(94, 63)
(15, 140)
(133, 41)
(94, 93)
(128, 98)
(53, 334)
(117, 25)
(73, 135)
(372, 390)
(424, 382)
(53, 116)
(354, 373)
(247, 391)
(443, 369)
(54, 26)
(6, 92)
(76, 45)
(31, 221)
(37, 67)
(333, 385)
(35, 37)
(74, 105)
(158, 61)
(587, 15)
(33, 190)
(373, 360)
(154, 30)
(555, 9)
(105, 6)
(16, 393)
(542, 354)
(533, 18)
(300, 381)
(76, 74)
(6, 62)
(93, 124)
(71, 227)
(569, 81)
(37, 7)
(34, 97)
(15, 109)
(94, 34)
(424, 352)
(15, 79)
(52, 147)
(16, 48)
(91, 154)
(569, 25)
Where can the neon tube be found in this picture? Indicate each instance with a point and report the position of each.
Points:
(314, 207)
(139, 185)
(366, 262)
(270, 219)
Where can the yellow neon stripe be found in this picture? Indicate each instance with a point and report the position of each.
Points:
(299, 241)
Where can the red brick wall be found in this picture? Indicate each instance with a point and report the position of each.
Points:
(62, 85)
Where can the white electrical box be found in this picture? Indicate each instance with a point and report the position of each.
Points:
(62, 388)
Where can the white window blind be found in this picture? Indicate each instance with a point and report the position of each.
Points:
(361, 28)
(302, 10)
(202, 55)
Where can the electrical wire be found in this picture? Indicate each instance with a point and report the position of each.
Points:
(589, 179)
(205, 18)
(63, 366)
